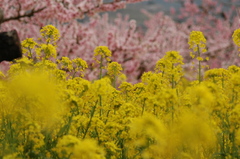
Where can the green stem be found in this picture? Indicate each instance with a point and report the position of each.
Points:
(101, 65)
(89, 123)
(99, 141)
(143, 107)
(199, 65)
(100, 104)
(172, 112)
(173, 86)
(154, 110)
(222, 147)
(234, 148)
(108, 112)
(114, 81)
(30, 53)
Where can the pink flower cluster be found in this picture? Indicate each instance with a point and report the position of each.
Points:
(135, 48)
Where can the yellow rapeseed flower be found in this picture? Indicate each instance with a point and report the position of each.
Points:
(171, 60)
(103, 51)
(234, 69)
(114, 69)
(197, 41)
(236, 37)
(217, 74)
(27, 46)
(48, 51)
(29, 43)
(65, 63)
(170, 66)
(78, 149)
(51, 33)
(81, 65)
(174, 57)
(238, 137)
(36, 94)
(1, 74)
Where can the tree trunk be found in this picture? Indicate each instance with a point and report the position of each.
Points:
(10, 46)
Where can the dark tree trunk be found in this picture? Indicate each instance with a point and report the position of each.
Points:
(10, 46)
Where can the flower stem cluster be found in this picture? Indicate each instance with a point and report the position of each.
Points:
(46, 49)
(171, 67)
(114, 70)
(50, 33)
(103, 53)
(197, 43)
(49, 112)
(236, 37)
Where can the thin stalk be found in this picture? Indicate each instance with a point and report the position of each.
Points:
(143, 107)
(30, 51)
(100, 104)
(199, 65)
(101, 65)
(234, 148)
(74, 73)
(99, 141)
(89, 123)
(222, 147)
(154, 110)
(172, 112)
(114, 81)
(108, 112)
(173, 86)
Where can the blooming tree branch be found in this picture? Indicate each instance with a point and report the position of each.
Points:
(136, 50)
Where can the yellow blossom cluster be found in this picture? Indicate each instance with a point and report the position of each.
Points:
(114, 70)
(171, 66)
(50, 33)
(197, 41)
(46, 49)
(236, 37)
(50, 112)
(73, 66)
(103, 52)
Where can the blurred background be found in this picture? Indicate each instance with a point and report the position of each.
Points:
(134, 10)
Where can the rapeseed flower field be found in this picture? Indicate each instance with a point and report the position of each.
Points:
(50, 111)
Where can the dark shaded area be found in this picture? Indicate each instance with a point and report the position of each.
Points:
(10, 46)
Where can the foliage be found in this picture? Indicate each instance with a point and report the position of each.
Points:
(135, 48)
(48, 110)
